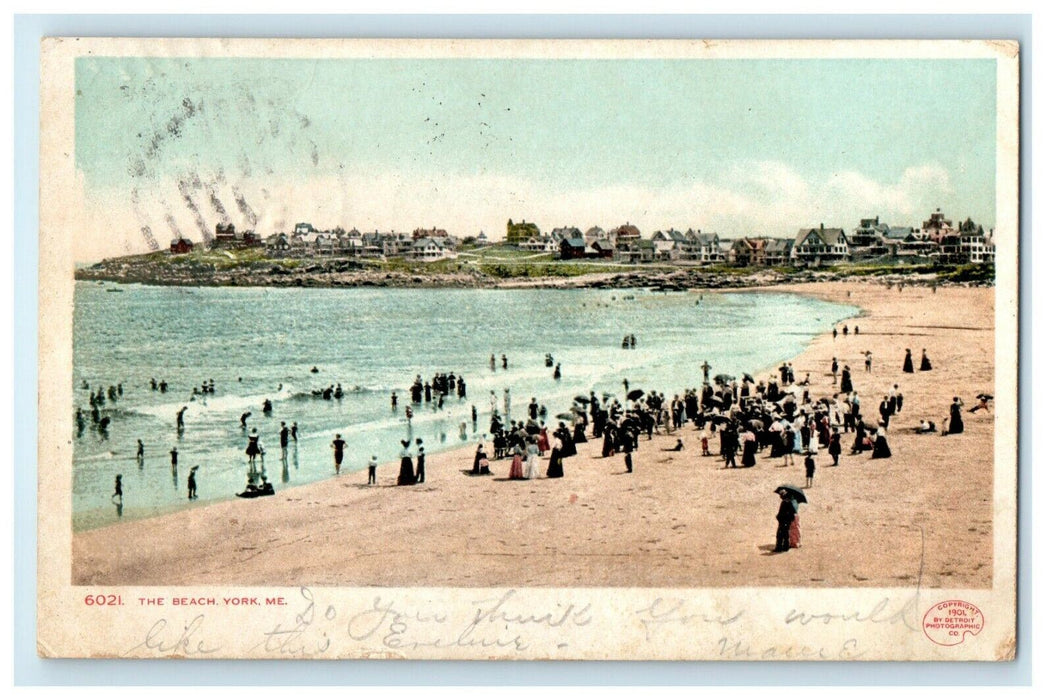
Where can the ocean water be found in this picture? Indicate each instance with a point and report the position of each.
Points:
(258, 344)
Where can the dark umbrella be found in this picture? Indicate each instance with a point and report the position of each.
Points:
(581, 398)
(715, 419)
(747, 377)
(795, 493)
(634, 394)
(984, 396)
(723, 378)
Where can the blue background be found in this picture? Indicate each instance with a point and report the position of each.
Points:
(31, 670)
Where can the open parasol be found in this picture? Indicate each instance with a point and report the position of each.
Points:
(795, 493)
(634, 394)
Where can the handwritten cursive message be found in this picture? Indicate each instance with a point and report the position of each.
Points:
(503, 622)
(166, 639)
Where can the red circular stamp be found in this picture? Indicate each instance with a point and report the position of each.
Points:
(948, 623)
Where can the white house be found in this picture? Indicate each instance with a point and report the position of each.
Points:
(710, 249)
(429, 249)
(816, 246)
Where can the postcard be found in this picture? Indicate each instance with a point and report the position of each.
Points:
(429, 349)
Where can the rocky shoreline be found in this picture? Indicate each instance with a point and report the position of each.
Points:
(352, 273)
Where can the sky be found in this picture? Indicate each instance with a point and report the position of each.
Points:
(168, 147)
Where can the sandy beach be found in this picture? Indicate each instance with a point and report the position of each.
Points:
(679, 520)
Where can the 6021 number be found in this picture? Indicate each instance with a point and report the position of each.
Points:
(103, 600)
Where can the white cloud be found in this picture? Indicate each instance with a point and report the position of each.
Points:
(758, 198)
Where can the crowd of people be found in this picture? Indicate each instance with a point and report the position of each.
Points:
(783, 417)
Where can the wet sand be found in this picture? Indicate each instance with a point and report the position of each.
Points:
(679, 520)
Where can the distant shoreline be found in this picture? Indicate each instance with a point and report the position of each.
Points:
(211, 269)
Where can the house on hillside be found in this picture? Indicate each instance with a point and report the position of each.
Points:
(819, 246)
(541, 244)
(870, 232)
(638, 251)
(669, 245)
(566, 232)
(623, 235)
(325, 243)
(603, 248)
(936, 227)
(429, 249)
(594, 234)
(518, 233)
(572, 248)
(278, 244)
(967, 244)
(749, 251)
(727, 249)
(227, 237)
(181, 245)
(976, 246)
(709, 248)
(777, 252)
(868, 239)
(393, 244)
(906, 241)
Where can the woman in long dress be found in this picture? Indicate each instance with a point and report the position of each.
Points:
(908, 364)
(778, 444)
(846, 381)
(555, 464)
(406, 474)
(543, 445)
(749, 449)
(579, 430)
(798, 437)
(516, 472)
(925, 364)
(881, 450)
(955, 425)
(862, 444)
(795, 526)
(531, 470)
(835, 446)
(481, 465)
(822, 431)
(566, 442)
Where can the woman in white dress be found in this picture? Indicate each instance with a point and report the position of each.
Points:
(531, 469)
